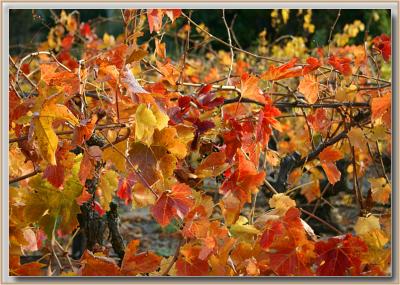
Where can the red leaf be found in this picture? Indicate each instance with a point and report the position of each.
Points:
(342, 64)
(206, 99)
(124, 190)
(312, 64)
(67, 42)
(83, 198)
(290, 252)
(244, 180)
(383, 44)
(85, 30)
(273, 228)
(267, 122)
(173, 203)
(340, 256)
(99, 209)
(319, 121)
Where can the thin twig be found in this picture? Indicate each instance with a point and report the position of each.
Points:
(176, 255)
(331, 32)
(14, 180)
(230, 46)
(321, 221)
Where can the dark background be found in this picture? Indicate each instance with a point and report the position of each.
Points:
(28, 27)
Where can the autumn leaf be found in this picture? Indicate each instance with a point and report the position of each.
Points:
(143, 158)
(170, 73)
(241, 229)
(147, 120)
(328, 157)
(172, 204)
(383, 44)
(319, 121)
(287, 247)
(45, 203)
(286, 70)
(309, 86)
(96, 265)
(357, 138)
(369, 229)
(290, 69)
(43, 128)
(311, 191)
(339, 256)
(135, 263)
(68, 81)
(212, 165)
(169, 138)
(28, 269)
(380, 190)
(129, 81)
(189, 263)
(281, 203)
(250, 89)
(244, 180)
(342, 64)
(272, 228)
(381, 108)
(107, 186)
(267, 122)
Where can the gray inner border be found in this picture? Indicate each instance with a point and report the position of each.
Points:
(202, 5)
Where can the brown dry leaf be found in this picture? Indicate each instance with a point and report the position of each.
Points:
(357, 138)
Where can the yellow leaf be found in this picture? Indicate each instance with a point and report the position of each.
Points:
(369, 230)
(380, 190)
(107, 185)
(146, 121)
(281, 203)
(114, 155)
(45, 204)
(242, 229)
(45, 134)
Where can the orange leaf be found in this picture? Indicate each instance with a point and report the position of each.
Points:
(332, 172)
(328, 156)
(249, 88)
(133, 263)
(309, 86)
(286, 70)
(245, 180)
(289, 69)
(173, 203)
(93, 265)
(381, 106)
(319, 121)
(27, 269)
(189, 263)
(212, 165)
